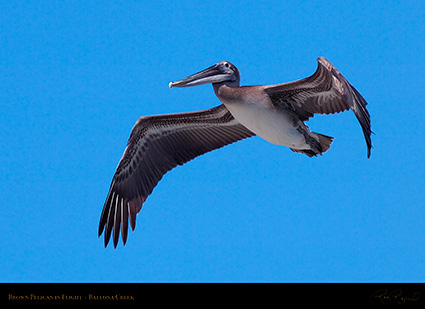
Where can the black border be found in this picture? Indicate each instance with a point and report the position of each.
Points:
(215, 294)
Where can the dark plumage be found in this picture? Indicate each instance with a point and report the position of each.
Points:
(276, 113)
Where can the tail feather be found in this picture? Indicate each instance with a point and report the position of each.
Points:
(317, 146)
(325, 141)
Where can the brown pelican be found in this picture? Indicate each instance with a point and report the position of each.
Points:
(276, 113)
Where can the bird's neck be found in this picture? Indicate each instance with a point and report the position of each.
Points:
(224, 91)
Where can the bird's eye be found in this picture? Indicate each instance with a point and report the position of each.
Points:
(227, 65)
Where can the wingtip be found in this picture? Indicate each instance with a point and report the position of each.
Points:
(124, 237)
(105, 240)
(369, 151)
(115, 241)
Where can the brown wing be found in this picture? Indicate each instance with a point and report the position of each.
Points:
(156, 145)
(327, 91)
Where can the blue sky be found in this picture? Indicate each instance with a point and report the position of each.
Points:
(76, 75)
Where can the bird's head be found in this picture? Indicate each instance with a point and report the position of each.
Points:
(220, 73)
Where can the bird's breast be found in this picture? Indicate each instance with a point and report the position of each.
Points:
(258, 114)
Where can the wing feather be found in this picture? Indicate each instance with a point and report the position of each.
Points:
(327, 91)
(156, 145)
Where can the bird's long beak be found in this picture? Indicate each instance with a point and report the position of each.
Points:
(212, 74)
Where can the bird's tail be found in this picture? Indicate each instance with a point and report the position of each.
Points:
(319, 144)
(325, 141)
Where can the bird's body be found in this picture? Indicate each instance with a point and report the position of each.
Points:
(275, 113)
(252, 107)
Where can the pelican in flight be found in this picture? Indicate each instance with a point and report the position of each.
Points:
(276, 113)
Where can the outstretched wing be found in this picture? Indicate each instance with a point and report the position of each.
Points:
(156, 145)
(327, 91)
